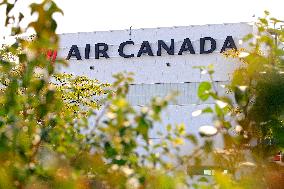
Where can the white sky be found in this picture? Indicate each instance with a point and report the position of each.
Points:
(93, 15)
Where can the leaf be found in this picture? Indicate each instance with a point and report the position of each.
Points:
(169, 128)
(248, 37)
(266, 12)
(275, 20)
(241, 96)
(207, 110)
(218, 111)
(21, 16)
(203, 90)
(9, 8)
(192, 139)
(263, 21)
(203, 179)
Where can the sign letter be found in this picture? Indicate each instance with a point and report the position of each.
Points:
(87, 51)
(186, 46)
(202, 45)
(229, 44)
(121, 48)
(101, 52)
(74, 51)
(170, 50)
(145, 48)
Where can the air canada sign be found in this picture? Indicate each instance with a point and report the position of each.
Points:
(207, 45)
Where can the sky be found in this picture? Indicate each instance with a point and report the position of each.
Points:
(97, 15)
(92, 15)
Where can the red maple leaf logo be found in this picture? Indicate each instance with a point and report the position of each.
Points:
(51, 55)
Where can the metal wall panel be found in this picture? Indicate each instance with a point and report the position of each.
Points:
(141, 94)
(158, 76)
(153, 69)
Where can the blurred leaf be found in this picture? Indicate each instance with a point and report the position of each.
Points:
(203, 90)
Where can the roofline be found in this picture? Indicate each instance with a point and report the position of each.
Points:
(248, 23)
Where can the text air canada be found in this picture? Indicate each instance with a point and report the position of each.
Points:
(207, 45)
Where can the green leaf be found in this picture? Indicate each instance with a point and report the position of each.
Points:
(263, 21)
(203, 179)
(207, 110)
(266, 12)
(192, 139)
(218, 111)
(248, 37)
(241, 96)
(203, 90)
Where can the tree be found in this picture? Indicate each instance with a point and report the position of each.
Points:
(47, 139)
(254, 109)
(51, 136)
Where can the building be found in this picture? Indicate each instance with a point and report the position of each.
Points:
(162, 59)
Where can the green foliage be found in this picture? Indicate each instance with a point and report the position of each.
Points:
(203, 91)
(80, 94)
(62, 131)
(252, 121)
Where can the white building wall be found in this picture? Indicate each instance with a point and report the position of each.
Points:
(153, 77)
(153, 69)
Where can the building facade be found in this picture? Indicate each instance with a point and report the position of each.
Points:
(162, 60)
